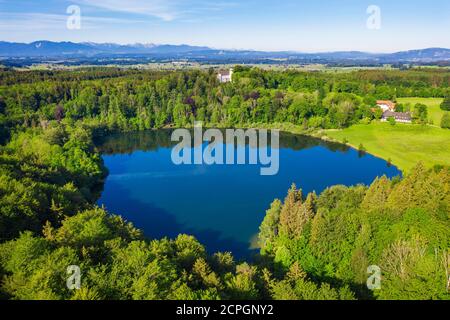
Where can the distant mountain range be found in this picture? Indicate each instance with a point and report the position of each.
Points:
(49, 49)
(60, 49)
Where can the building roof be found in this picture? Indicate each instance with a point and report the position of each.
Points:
(398, 115)
(386, 102)
(224, 72)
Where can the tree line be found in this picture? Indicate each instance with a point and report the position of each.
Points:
(129, 100)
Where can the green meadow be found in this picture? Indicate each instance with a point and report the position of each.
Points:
(403, 144)
(435, 112)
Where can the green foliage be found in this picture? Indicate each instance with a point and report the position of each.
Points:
(420, 114)
(377, 194)
(401, 226)
(445, 105)
(392, 121)
(269, 227)
(45, 175)
(412, 273)
(139, 100)
(91, 228)
(445, 122)
(295, 286)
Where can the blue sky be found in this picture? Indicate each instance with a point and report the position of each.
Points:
(308, 26)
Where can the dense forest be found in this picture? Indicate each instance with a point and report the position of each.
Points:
(138, 100)
(312, 246)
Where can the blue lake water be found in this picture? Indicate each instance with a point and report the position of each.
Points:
(222, 205)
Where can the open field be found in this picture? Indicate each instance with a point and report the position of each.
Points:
(434, 107)
(404, 145)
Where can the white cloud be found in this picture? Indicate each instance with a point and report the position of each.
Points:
(42, 21)
(163, 9)
(167, 10)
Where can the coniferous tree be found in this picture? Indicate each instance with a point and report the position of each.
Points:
(377, 194)
(445, 105)
(268, 231)
(290, 213)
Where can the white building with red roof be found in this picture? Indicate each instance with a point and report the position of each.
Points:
(225, 76)
(386, 105)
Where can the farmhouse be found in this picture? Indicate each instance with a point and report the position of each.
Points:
(403, 117)
(225, 76)
(386, 105)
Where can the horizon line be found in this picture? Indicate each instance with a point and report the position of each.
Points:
(225, 49)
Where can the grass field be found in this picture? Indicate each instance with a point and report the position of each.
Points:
(434, 107)
(403, 144)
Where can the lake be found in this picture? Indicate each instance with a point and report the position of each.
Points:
(221, 205)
